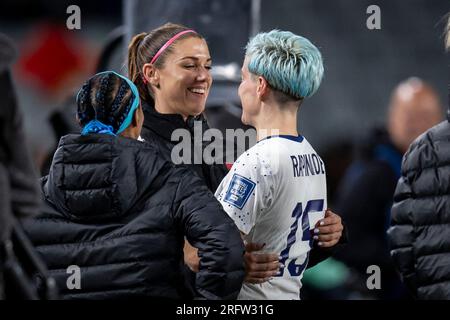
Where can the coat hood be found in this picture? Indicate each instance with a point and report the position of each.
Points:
(99, 176)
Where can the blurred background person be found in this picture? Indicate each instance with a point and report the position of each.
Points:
(365, 193)
(19, 197)
(419, 235)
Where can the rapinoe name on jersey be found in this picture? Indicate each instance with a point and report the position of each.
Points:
(307, 165)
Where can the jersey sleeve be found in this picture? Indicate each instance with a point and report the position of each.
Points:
(246, 191)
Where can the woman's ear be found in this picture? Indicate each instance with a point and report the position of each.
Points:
(262, 88)
(151, 74)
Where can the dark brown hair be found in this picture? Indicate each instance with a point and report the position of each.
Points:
(144, 46)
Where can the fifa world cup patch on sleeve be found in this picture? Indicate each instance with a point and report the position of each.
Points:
(239, 191)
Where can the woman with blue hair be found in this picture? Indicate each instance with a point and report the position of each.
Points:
(276, 191)
(118, 213)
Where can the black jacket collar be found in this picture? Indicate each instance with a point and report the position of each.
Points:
(164, 124)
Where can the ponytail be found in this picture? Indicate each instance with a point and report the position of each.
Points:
(134, 72)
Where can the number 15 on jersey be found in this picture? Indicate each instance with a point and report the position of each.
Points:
(299, 215)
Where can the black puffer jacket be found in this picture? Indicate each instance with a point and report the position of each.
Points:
(420, 232)
(120, 213)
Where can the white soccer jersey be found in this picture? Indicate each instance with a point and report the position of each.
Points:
(276, 192)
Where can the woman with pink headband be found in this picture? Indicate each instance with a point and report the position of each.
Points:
(171, 66)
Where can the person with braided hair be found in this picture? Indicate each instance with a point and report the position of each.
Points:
(118, 213)
(113, 107)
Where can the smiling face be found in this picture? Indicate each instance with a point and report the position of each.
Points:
(182, 85)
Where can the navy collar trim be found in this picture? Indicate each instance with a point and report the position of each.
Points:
(298, 138)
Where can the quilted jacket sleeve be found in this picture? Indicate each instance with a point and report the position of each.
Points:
(401, 233)
(208, 228)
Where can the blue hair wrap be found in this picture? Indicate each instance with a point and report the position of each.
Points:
(95, 126)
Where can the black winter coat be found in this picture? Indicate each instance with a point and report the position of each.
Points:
(115, 209)
(420, 232)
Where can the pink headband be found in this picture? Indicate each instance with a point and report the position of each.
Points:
(168, 43)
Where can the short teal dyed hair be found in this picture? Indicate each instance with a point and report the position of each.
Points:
(290, 63)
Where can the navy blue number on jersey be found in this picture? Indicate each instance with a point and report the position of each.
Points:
(299, 215)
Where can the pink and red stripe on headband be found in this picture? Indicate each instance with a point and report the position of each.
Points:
(166, 45)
